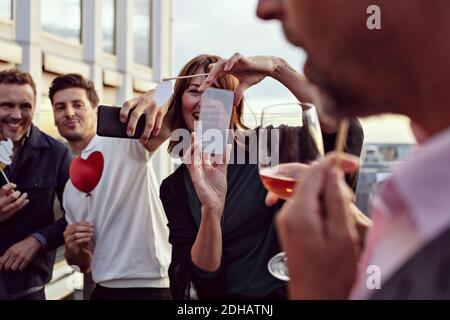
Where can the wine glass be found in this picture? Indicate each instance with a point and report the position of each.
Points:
(289, 133)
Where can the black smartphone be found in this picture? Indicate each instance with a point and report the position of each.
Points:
(109, 124)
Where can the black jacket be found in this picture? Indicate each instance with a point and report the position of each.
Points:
(40, 169)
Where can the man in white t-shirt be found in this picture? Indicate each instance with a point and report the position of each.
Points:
(124, 241)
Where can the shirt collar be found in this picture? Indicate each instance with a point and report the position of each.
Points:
(90, 147)
(35, 138)
(423, 184)
(27, 136)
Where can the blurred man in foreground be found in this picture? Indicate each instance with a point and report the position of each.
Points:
(401, 69)
(29, 234)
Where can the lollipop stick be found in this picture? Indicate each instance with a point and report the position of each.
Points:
(186, 77)
(340, 140)
(89, 217)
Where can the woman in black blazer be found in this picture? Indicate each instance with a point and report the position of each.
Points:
(221, 231)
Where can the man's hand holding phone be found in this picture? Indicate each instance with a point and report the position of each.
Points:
(139, 106)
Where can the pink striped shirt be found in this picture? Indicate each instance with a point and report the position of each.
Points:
(411, 209)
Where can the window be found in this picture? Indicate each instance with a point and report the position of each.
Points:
(142, 32)
(109, 26)
(62, 18)
(6, 9)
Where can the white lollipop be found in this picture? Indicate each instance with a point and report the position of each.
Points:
(6, 152)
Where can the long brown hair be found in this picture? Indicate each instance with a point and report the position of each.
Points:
(228, 82)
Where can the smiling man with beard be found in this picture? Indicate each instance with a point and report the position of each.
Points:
(29, 234)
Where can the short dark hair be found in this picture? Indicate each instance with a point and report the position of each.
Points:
(74, 80)
(19, 77)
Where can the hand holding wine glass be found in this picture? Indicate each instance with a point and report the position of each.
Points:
(290, 138)
(318, 229)
(293, 170)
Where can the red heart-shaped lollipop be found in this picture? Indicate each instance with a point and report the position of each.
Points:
(86, 174)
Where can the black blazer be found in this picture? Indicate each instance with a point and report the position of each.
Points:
(41, 170)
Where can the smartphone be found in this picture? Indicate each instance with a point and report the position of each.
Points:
(109, 124)
(216, 107)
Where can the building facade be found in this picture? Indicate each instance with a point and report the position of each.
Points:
(123, 46)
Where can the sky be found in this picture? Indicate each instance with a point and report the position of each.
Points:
(224, 27)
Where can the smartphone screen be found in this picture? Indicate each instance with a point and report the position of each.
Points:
(215, 116)
(109, 124)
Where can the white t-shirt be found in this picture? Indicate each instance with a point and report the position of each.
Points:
(131, 247)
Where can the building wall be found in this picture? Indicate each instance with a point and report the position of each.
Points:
(25, 44)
